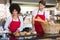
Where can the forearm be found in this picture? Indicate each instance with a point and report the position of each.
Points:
(40, 20)
(32, 20)
(33, 23)
(6, 26)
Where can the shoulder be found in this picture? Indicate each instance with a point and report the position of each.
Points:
(9, 18)
(46, 10)
(20, 17)
(35, 10)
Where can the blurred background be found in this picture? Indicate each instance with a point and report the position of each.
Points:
(27, 6)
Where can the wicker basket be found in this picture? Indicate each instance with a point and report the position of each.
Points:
(46, 39)
(57, 38)
(51, 29)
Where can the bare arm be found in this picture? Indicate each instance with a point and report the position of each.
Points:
(33, 28)
(40, 20)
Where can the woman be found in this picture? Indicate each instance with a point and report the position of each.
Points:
(15, 22)
(39, 16)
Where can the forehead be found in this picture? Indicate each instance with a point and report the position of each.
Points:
(40, 4)
(14, 10)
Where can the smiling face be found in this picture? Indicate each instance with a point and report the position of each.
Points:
(41, 6)
(15, 12)
(14, 9)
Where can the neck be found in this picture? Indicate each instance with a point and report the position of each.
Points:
(15, 17)
(41, 9)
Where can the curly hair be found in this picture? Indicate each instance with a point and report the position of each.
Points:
(14, 6)
(42, 2)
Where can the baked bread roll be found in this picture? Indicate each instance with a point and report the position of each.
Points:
(28, 33)
(16, 33)
(22, 33)
(33, 32)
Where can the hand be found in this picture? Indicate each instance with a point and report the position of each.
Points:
(7, 31)
(37, 19)
(0, 30)
(33, 29)
(16, 32)
(45, 22)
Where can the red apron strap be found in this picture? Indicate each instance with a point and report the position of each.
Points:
(43, 12)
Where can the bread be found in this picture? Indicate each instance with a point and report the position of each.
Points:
(34, 32)
(22, 33)
(28, 33)
(16, 33)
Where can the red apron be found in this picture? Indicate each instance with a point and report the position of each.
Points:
(14, 25)
(38, 26)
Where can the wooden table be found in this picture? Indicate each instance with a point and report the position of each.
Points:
(51, 36)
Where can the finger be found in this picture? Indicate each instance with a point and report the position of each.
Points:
(35, 19)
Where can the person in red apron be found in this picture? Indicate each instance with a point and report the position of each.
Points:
(14, 23)
(38, 25)
(38, 19)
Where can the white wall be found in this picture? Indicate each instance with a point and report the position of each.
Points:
(27, 8)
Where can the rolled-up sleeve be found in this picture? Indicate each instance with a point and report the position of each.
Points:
(21, 25)
(7, 23)
(47, 14)
(34, 12)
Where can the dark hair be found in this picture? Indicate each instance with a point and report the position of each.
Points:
(14, 6)
(42, 2)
